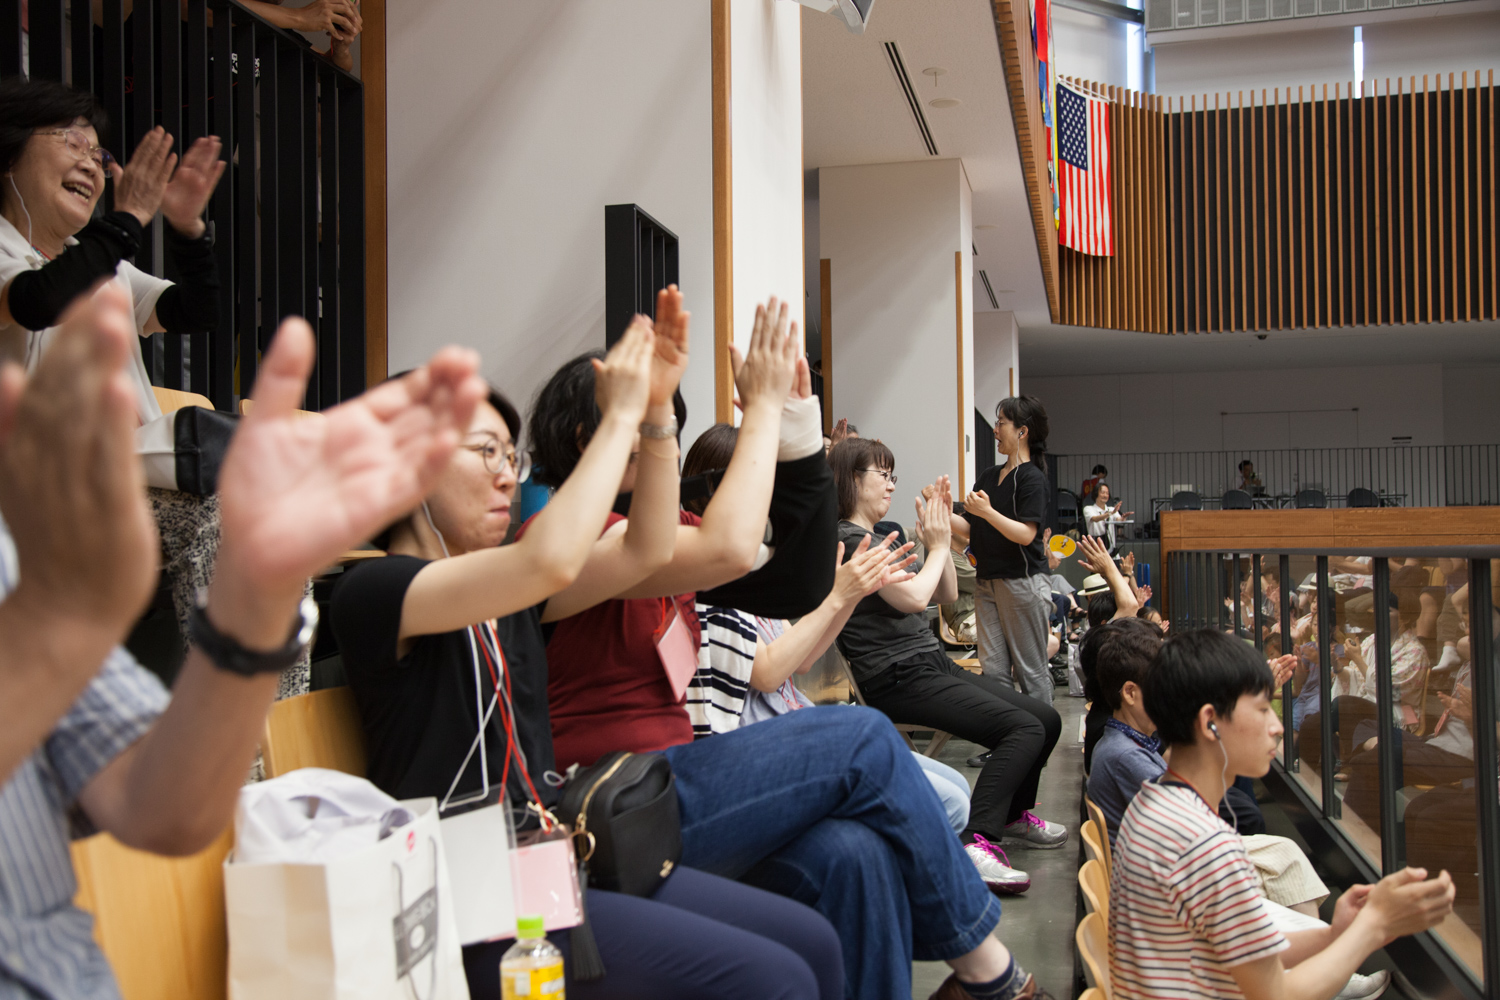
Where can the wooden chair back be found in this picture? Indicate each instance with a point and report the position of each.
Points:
(1097, 815)
(1095, 888)
(160, 921)
(176, 399)
(1093, 945)
(1091, 994)
(934, 746)
(246, 405)
(319, 729)
(1090, 834)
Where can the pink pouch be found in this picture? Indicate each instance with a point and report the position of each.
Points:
(676, 648)
(546, 881)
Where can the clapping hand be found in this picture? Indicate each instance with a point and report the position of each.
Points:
(1408, 902)
(1460, 703)
(870, 568)
(670, 359)
(1281, 668)
(187, 193)
(625, 381)
(1095, 556)
(934, 522)
(977, 502)
(765, 373)
(140, 184)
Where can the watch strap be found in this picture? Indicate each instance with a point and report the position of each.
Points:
(229, 654)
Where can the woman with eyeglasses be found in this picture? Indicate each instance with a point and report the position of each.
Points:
(54, 248)
(902, 670)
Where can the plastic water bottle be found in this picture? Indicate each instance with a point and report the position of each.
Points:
(532, 967)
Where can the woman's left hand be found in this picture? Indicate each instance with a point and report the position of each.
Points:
(187, 193)
(977, 502)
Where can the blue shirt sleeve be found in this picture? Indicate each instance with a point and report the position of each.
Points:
(114, 711)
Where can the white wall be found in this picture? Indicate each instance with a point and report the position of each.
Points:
(1247, 60)
(1471, 405)
(1092, 47)
(511, 126)
(997, 358)
(890, 232)
(1184, 411)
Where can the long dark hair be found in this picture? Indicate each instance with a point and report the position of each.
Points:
(1028, 412)
(564, 418)
(28, 105)
(713, 450)
(847, 458)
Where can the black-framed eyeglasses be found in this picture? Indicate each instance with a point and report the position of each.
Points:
(497, 457)
(80, 146)
(889, 477)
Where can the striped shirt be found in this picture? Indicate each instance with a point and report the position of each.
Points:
(726, 654)
(47, 944)
(1185, 905)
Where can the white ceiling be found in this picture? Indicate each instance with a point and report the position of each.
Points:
(854, 112)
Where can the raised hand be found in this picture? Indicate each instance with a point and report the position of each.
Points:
(71, 487)
(870, 568)
(294, 494)
(670, 359)
(624, 382)
(140, 184)
(934, 526)
(1281, 668)
(840, 430)
(977, 502)
(766, 372)
(187, 193)
(1096, 556)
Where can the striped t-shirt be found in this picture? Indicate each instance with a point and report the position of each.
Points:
(1184, 901)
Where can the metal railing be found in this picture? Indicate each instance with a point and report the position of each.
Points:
(1220, 589)
(288, 214)
(1411, 476)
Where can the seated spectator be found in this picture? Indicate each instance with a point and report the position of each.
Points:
(1101, 517)
(1154, 616)
(1249, 481)
(813, 804)
(1110, 598)
(90, 740)
(902, 670)
(1174, 933)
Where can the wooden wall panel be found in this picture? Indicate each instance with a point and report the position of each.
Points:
(1339, 206)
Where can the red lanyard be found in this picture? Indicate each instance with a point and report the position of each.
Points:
(507, 718)
(1194, 789)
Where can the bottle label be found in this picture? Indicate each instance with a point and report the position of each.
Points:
(546, 982)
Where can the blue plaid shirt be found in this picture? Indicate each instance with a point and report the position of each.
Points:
(47, 945)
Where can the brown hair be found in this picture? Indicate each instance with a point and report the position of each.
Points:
(713, 450)
(848, 458)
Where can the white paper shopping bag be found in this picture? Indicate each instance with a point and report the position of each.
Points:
(478, 844)
(375, 924)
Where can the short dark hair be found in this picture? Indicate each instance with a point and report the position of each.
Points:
(847, 458)
(28, 105)
(1193, 669)
(1028, 412)
(1123, 651)
(1245, 463)
(1148, 613)
(1102, 608)
(713, 450)
(1099, 470)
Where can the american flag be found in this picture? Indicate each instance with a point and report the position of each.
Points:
(1083, 172)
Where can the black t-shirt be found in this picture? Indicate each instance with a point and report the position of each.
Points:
(876, 634)
(1020, 496)
(419, 712)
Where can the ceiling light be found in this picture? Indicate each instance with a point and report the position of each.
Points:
(945, 102)
(934, 72)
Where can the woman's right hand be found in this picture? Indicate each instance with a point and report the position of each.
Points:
(670, 357)
(139, 185)
(934, 526)
(1095, 556)
(622, 381)
(870, 568)
(766, 372)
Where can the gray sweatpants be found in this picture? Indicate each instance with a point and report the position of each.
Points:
(1011, 618)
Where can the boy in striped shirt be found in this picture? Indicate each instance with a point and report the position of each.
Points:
(1185, 917)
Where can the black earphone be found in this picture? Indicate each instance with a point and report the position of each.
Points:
(1213, 727)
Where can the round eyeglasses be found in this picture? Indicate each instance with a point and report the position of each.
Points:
(497, 458)
(80, 146)
(889, 477)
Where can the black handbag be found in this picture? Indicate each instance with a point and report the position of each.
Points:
(201, 437)
(626, 826)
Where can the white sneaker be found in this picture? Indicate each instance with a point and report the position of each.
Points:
(1365, 987)
(1033, 831)
(994, 867)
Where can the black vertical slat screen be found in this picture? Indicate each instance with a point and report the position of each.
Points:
(288, 215)
(640, 257)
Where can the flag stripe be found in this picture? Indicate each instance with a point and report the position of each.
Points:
(1083, 166)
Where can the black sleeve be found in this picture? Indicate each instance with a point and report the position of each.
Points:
(365, 610)
(1031, 496)
(38, 298)
(804, 527)
(191, 305)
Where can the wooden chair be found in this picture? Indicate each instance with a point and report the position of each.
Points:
(160, 921)
(946, 633)
(1093, 944)
(1095, 888)
(1102, 828)
(320, 729)
(246, 405)
(934, 746)
(176, 399)
(1091, 994)
(1090, 834)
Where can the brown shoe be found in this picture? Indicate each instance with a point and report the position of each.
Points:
(952, 989)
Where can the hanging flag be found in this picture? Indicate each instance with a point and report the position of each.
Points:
(1083, 172)
(1046, 72)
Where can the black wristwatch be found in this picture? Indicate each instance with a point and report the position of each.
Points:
(228, 654)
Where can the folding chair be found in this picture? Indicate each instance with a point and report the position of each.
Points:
(934, 745)
(1102, 828)
(321, 729)
(160, 921)
(1095, 886)
(176, 399)
(1090, 835)
(1093, 944)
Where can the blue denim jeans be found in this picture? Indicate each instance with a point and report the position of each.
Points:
(827, 806)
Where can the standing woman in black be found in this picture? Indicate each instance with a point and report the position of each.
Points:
(1003, 517)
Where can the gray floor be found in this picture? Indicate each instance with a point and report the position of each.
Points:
(1038, 926)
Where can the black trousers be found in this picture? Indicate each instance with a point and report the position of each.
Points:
(928, 690)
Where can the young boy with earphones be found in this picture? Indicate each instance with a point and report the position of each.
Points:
(1185, 916)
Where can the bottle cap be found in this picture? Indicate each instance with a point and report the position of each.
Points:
(530, 927)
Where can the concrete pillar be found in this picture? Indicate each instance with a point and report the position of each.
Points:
(896, 240)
